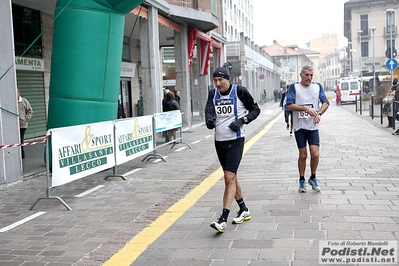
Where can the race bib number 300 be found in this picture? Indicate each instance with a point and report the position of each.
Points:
(304, 114)
(224, 107)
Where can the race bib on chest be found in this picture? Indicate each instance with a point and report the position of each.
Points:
(224, 107)
(304, 114)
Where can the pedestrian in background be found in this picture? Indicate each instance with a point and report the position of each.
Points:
(25, 114)
(287, 113)
(395, 104)
(177, 96)
(264, 96)
(275, 94)
(388, 106)
(170, 104)
(338, 95)
(303, 99)
(227, 109)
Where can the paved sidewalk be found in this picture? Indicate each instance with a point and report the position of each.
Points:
(358, 174)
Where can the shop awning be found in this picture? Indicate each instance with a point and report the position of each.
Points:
(380, 77)
(206, 44)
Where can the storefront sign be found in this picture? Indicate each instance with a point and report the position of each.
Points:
(25, 63)
(128, 69)
(169, 82)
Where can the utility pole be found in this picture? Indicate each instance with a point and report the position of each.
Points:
(373, 29)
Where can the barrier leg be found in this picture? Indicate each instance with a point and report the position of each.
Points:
(154, 155)
(48, 196)
(180, 140)
(115, 174)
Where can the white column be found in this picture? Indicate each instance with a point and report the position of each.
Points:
(151, 63)
(182, 74)
(11, 163)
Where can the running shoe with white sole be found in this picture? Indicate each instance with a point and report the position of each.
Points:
(314, 184)
(242, 216)
(219, 226)
(302, 186)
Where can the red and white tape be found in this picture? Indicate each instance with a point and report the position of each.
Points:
(24, 144)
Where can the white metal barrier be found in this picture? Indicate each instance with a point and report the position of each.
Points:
(82, 150)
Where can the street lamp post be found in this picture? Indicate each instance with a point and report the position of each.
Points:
(361, 63)
(390, 12)
(373, 29)
(350, 58)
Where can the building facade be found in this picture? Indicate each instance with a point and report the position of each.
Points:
(371, 28)
(166, 45)
(290, 59)
(248, 64)
(333, 68)
(149, 30)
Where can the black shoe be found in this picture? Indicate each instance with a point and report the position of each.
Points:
(388, 126)
(395, 133)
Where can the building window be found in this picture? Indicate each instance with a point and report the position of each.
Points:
(364, 24)
(365, 49)
(126, 50)
(27, 27)
(214, 7)
(389, 45)
(390, 23)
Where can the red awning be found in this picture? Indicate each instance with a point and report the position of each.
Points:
(206, 44)
(192, 36)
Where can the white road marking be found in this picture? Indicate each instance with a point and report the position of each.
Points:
(89, 191)
(27, 219)
(132, 172)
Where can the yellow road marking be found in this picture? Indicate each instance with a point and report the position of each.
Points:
(132, 250)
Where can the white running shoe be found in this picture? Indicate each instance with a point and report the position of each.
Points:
(219, 226)
(242, 216)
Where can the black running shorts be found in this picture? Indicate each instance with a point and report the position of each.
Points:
(230, 153)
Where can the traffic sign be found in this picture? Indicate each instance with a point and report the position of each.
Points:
(388, 52)
(228, 66)
(240, 77)
(262, 76)
(391, 64)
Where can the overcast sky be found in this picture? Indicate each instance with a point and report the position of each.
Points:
(297, 19)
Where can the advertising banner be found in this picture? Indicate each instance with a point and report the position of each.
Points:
(134, 138)
(168, 120)
(79, 151)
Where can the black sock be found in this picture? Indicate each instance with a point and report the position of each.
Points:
(313, 176)
(301, 178)
(241, 204)
(224, 216)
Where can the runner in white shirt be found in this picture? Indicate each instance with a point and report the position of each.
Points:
(308, 102)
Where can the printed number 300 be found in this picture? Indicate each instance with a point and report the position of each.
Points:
(224, 110)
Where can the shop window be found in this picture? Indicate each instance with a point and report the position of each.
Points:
(125, 105)
(27, 27)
